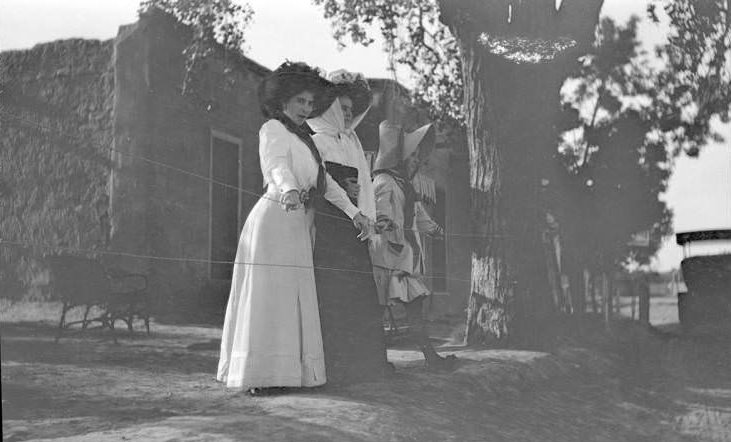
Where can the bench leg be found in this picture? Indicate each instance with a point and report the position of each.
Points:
(85, 322)
(62, 322)
(113, 330)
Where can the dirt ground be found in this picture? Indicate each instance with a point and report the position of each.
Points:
(625, 384)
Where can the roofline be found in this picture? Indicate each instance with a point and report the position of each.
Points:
(389, 80)
(683, 238)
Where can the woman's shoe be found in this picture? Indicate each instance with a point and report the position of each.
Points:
(256, 391)
(266, 391)
(435, 362)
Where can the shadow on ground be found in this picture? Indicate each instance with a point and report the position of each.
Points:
(629, 384)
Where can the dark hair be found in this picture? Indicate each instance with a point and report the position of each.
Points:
(288, 80)
(359, 92)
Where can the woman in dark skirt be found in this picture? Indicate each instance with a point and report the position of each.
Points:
(351, 318)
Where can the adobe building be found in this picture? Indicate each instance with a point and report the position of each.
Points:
(161, 182)
(102, 155)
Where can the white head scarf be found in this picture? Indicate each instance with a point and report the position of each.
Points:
(340, 144)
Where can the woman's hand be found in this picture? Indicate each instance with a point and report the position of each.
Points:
(290, 200)
(400, 274)
(352, 188)
(438, 232)
(362, 223)
(383, 224)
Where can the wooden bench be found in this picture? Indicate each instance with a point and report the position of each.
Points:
(80, 282)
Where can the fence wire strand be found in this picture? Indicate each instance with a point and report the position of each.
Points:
(27, 245)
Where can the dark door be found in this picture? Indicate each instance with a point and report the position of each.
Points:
(224, 207)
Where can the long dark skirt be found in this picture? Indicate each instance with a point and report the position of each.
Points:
(350, 316)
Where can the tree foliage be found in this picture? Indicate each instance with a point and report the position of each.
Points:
(414, 38)
(628, 115)
(694, 85)
(689, 89)
(616, 165)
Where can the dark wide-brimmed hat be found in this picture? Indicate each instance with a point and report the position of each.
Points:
(288, 80)
(353, 85)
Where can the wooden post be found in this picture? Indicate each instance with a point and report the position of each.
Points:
(594, 287)
(586, 292)
(576, 288)
(606, 298)
(567, 295)
(644, 298)
(633, 299)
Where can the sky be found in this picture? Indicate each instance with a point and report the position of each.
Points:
(699, 190)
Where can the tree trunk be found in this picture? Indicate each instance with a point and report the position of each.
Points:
(589, 291)
(572, 266)
(509, 108)
(510, 155)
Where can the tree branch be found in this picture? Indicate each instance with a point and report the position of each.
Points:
(600, 94)
(578, 18)
(437, 57)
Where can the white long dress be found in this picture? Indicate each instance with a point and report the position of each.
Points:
(271, 333)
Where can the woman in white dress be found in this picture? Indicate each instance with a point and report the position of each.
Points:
(271, 333)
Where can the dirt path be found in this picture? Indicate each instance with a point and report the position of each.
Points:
(634, 386)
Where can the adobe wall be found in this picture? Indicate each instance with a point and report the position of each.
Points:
(55, 137)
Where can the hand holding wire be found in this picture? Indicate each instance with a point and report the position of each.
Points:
(290, 200)
(362, 223)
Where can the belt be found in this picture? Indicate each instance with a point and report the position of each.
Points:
(306, 196)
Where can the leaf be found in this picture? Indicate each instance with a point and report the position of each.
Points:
(652, 13)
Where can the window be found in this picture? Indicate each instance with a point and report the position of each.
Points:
(224, 204)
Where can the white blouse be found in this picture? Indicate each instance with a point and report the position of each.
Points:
(287, 164)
